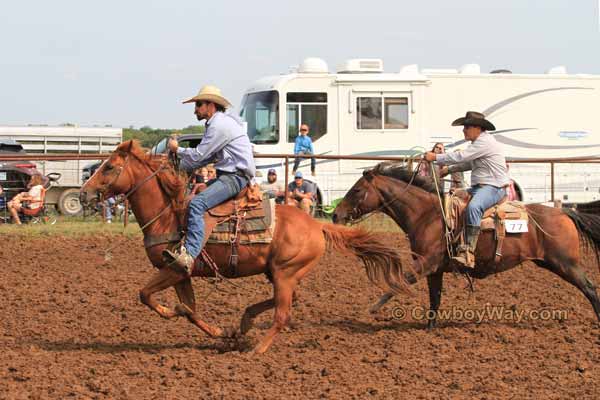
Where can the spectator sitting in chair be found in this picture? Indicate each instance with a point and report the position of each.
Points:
(300, 194)
(33, 195)
(273, 188)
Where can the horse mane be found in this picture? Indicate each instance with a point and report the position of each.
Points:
(173, 182)
(402, 172)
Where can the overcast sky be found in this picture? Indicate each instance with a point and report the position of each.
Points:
(132, 62)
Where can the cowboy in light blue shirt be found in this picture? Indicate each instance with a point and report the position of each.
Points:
(303, 146)
(226, 144)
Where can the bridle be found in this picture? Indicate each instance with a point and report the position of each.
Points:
(385, 204)
(138, 185)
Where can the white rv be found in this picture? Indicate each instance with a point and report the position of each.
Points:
(60, 140)
(362, 110)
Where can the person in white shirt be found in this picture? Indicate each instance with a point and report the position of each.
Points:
(489, 176)
(33, 196)
(272, 187)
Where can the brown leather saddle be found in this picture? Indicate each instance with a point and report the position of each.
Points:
(494, 218)
(245, 219)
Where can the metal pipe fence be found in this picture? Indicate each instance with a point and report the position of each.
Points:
(555, 175)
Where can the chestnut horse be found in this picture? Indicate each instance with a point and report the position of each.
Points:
(154, 189)
(553, 241)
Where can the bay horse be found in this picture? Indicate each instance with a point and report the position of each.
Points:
(153, 188)
(555, 241)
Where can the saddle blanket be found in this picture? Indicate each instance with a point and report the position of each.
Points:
(256, 226)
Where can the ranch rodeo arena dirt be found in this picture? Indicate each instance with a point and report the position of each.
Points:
(72, 326)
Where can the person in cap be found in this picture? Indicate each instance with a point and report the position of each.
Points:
(273, 188)
(489, 176)
(300, 193)
(304, 146)
(226, 144)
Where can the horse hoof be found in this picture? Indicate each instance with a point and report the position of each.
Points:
(229, 333)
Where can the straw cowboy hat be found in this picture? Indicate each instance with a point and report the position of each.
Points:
(210, 93)
(475, 118)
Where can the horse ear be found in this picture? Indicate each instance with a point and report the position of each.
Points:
(368, 174)
(126, 147)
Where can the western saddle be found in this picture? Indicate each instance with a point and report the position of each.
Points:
(494, 218)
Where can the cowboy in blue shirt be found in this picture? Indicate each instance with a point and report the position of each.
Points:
(304, 146)
(225, 142)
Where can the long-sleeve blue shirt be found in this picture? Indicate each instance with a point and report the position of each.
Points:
(304, 145)
(225, 142)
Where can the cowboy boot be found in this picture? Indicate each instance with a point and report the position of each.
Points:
(466, 253)
(179, 260)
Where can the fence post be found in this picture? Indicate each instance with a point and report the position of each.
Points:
(552, 181)
(126, 215)
(285, 188)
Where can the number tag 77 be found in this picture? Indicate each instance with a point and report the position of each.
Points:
(516, 225)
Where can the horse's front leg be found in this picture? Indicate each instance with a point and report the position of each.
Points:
(163, 279)
(187, 308)
(435, 283)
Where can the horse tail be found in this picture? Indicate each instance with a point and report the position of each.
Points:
(588, 225)
(382, 264)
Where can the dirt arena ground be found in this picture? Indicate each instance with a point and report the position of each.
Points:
(71, 326)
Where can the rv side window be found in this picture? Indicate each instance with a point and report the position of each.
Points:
(368, 112)
(306, 108)
(381, 113)
(396, 113)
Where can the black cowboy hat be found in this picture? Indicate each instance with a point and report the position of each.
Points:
(475, 118)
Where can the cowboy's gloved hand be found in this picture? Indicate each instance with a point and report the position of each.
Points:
(430, 156)
(172, 144)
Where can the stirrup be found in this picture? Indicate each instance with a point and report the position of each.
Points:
(180, 262)
(465, 258)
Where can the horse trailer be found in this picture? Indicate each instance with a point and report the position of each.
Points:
(64, 194)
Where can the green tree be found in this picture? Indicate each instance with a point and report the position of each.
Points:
(149, 136)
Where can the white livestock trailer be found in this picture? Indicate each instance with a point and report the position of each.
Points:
(60, 140)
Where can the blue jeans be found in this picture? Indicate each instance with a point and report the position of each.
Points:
(484, 197)
(223, 188)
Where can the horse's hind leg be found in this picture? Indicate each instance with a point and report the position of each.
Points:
(577, 277)
(255, 310)
(284, 290)
(252, 312)
(382, 301)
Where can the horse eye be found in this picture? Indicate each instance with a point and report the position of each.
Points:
(108, 167)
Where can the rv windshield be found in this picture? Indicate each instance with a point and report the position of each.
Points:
(261, 111)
